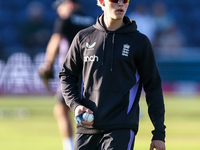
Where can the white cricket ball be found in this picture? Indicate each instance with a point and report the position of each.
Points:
(88, 117)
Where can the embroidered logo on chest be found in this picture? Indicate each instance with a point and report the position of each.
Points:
(125, 50)
(90, 47)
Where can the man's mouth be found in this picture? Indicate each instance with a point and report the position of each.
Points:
(120, 10)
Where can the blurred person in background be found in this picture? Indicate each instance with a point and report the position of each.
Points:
(70, 21)
(167, 34)
(34, 32)
(144, 20)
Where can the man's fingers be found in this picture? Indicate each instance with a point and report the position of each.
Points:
(151, 147)
(85, 109)
(89, 111)
(81, 110)
(85, 123)
(158, 145)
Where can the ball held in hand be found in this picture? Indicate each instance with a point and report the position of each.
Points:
(88, 117)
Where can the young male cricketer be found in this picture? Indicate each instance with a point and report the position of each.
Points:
(115, 61)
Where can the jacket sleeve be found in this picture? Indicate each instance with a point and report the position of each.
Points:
(69, 75)
(150, 78)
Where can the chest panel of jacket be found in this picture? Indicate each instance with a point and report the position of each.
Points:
(104, 55)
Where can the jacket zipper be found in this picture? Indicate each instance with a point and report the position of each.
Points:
(113, 42)
(112, 50)
(104, 41)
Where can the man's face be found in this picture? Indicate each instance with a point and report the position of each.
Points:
(65, 10)
(115, 10)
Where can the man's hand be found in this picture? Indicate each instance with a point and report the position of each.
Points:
(80, 110)
(158, 145)
(46, 72)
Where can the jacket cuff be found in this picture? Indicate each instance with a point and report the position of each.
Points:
(73, 106)
(158, 135)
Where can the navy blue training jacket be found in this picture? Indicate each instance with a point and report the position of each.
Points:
(114, 65)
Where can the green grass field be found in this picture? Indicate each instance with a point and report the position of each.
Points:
(27, 123)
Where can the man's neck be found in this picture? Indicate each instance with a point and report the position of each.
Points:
(112, 24)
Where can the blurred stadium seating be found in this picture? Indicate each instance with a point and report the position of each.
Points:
(12, 13)
(184, 67)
